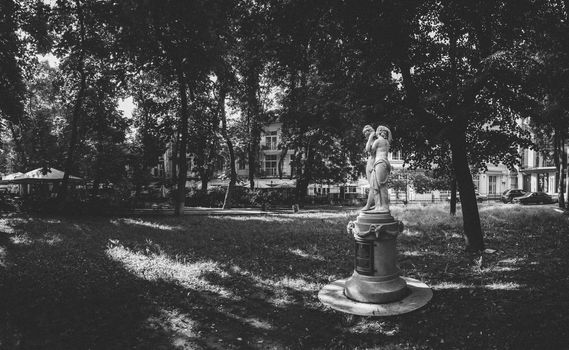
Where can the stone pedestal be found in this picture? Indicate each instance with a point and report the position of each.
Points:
(376, 287)
(376, 277)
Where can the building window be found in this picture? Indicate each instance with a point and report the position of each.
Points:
(271, 164)
(527, 182)
(396, 155)
(543, 182)
(322, 191)
(271, 141)
(291, 165)
(241, 163)
(514, 181)
(548, 160)
(492, 182)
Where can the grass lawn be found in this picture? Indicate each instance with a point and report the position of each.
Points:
(251, 282)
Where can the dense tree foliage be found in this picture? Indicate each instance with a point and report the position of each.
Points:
(550, 122)
(451, 79)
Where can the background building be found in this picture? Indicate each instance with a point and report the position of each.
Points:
(536, 173)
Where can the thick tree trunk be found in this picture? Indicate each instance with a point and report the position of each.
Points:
(77, 108)
(253, 121)
(471, 219)
(182, 161)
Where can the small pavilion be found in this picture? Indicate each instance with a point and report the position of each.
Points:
(41, 181)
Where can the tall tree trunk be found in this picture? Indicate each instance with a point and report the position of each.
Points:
(305, 174)
(174, 158)
(471, 219)
(204, 178)
(453, 195)
(77, 108)
(95, 189)
(284, 151)
(254, 123)
(566, 174)
(21, 163)
(228, 200)
(453, 38)
(562, 171)
(182, 147)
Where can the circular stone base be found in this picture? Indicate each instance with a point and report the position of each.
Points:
(333, 295)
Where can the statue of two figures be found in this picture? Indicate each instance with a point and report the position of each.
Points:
(377, 168)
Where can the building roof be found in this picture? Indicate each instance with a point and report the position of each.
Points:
(39, 175)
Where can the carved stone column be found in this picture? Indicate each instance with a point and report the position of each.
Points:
(376, 277)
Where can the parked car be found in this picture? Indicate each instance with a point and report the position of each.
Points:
(510, 194)
(533, 197)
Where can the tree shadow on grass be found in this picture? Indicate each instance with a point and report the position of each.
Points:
(69, 296)
(70, 293)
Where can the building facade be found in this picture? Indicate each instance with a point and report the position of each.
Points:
(536, 173)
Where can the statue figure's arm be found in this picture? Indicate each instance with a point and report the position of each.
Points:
(375, 145)
(370, 142)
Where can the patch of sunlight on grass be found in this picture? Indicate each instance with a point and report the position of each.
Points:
(326, 215)
(149, 224)
(450, 285)
(305, 255)
(24, 239)
(503, 269)
(265, 218)
(420, 253)
(411, 233)
(497, 219)
(3, 257)
(280, 287)
(494, 206)
(169, 320)
(299, 284)
(5, 227)
(184, 331)
(503, 286)
(21, 239)
(511, 261)
(51, 221)
(253, 321)
(376, 327)
(157, 267)
(52, 239)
